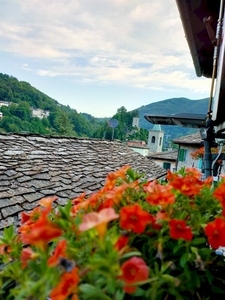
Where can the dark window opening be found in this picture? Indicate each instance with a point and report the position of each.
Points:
(166, 165)
(160, 141)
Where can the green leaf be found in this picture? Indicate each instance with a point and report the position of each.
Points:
(93, 291)
(130, 254)
(199, 241)
(217, 290)
(120, 295)
(8, 234)
(139, 292)
(183, 259)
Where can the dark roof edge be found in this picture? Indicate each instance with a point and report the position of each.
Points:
(185, 19)
(161, 158)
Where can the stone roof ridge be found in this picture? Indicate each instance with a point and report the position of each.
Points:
(172, 155)
(52, 136)
(194, 138)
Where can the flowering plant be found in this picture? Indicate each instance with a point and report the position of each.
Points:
(199, 153)
(133, 239)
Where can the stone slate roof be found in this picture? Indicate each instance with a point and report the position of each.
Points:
(34, 166)
(166, 155)
(192, 139)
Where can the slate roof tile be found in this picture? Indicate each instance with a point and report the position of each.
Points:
(192, 139)
(11, 210)
(35, 166)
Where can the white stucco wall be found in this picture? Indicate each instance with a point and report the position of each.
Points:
(160, 163)
(155, 146)
(141, 151)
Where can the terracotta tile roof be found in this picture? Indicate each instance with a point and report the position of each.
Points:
(138, 146)
(192, 139)
(166, 155)
(33, 167)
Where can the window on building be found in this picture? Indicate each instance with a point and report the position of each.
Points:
(166, 165)
(160, 141)
(182, 154)
(153, 139)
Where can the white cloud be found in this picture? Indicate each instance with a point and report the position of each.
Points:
(137, 42)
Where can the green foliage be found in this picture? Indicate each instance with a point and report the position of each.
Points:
(121, 132)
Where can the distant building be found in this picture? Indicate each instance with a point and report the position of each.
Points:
(187, 145)
(5, 103)
(139, 147)
(155, 139)
(135, 122)
(167, 159)
(1, 115)
(40, 113)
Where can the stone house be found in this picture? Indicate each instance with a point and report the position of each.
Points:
(40, 113)
(34, 166)
(166, 159)
(187, 145)
(4, 103)
(139, 147)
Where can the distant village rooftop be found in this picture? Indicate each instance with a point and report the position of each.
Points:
(165, 155)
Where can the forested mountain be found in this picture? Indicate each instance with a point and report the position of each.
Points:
(17, 117)
(173, 106)
(62, 120)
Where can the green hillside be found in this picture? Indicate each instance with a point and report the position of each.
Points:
(17, 117)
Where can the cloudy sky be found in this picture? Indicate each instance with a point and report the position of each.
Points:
(99, 55)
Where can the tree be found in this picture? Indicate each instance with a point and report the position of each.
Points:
(62, 124)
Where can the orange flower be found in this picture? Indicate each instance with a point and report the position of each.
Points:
(67, 286)
(26, 255)
(170, 176)
(41, 234)
(47, 202)
(193, 172)
(60, 252)
(219, 193)
(37, 217)
(134, 218)
(158, 194)
(134, 270)
(98, 220)
(116, 194)
(215, 231)
(113, 177)
(79, 199)
(162, 215)
(106, 204)
(85, 204)
(188, 185)
(208, 181)
(179, 230)
(31, 217)
(5, 249)
(121, 242)
(199, 153)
